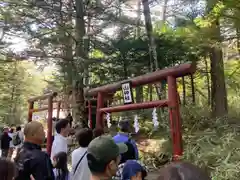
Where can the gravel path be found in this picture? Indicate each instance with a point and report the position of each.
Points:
(152, 175)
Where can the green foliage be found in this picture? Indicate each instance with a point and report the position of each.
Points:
(129, 56)
(19, 81)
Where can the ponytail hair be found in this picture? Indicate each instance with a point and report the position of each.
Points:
(61, 166)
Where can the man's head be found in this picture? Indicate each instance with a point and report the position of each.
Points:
(18, 128)
(84, 137)
(11, 130)
(104, 156)
(124, 126)
(98, 132)
(63, 127)
(34, 132)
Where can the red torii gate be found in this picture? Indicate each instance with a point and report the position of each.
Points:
(170, 74)
(49, 107)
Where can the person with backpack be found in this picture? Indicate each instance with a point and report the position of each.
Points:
(18, 139)
(128, 156)
(124, 137)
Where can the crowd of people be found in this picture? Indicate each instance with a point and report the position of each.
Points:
(11, 139)
(98, 157)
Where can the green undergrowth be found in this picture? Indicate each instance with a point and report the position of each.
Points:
(216, 147)
(213, 144)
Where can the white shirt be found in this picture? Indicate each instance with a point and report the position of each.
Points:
(82, 171)
(11, 142)
(21, 136)
(59, 145)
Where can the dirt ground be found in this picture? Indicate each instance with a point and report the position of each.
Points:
(146, 145)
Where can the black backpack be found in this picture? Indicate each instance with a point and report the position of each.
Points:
(16, 139)
(130, 154)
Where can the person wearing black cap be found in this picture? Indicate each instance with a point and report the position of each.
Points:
(124, 137)
(103, 156)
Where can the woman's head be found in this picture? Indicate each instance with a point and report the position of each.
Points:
(7, 169)
(182, 171)
(61, 160)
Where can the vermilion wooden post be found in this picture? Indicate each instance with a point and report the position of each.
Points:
(174, 116)
(30, 113)
(90, 113)
(49, 124)
(99, 116)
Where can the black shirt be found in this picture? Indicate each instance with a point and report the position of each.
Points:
(33, 161)
(5, 141)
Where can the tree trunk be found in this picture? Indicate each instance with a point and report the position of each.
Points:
(207, 82)
(139, 89)
(79, 66)
(152, 44)
(150, 91)
(164, 11)
(219, 93)
(193, 89)
(149, 31)
(184, 90)
(67, 65)
(237, 27)
(13, 94)
(138, 28)
(238, 40)
(139, 94)
(86, 50)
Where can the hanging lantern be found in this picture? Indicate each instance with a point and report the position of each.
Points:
(136, 125)
(108, 118)
(155, 118)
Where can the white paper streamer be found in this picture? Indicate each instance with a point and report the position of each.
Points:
(89, 123)
(108, 118)
(136, 125)
(155, 118)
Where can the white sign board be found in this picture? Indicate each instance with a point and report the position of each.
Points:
(127, 93)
